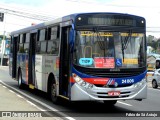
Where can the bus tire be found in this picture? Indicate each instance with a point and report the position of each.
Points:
(20, 84)
(110, 102)
(154, 84)
(53, 93)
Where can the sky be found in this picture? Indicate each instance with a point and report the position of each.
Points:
(150, 9)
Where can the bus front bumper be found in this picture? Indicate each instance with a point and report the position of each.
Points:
(133, 92)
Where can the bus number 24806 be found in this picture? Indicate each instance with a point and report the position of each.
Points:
(127, 81)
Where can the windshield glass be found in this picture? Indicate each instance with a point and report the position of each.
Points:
(109, 49)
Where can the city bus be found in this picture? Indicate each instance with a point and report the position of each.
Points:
(83, 57)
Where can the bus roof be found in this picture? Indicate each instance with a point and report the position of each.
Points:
(41, 25)
(62, 19)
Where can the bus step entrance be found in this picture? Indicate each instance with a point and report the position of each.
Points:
(31, 86)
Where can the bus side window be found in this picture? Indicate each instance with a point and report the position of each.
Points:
(15, 39)
(41, 41)
(38, 43)
(21, 46)
(26, 44)
(11, 45)
(53, 47)
(53, 40)
(43, 46)
(18, 41)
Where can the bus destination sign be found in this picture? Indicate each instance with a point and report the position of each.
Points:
(109, 20)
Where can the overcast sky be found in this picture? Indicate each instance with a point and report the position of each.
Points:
(150, 9)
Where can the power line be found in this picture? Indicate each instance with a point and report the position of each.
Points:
(43, 17)
(26, 15)
(16, 24)
(22, 9)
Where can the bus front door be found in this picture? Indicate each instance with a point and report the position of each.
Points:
(31, 61)
(14, 56)
(64, 62)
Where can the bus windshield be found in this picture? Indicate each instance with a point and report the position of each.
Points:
(98, 49)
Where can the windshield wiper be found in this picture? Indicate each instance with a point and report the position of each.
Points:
(99, 40)
(124, 42)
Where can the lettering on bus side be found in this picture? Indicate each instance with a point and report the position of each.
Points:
(48, 63)
(38, 60)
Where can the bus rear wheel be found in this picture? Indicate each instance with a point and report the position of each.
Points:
(53, 93)
(20, 84)
(110, 102)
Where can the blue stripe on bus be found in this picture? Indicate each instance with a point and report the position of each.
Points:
(120, 81)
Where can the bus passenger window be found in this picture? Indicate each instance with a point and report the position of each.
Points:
(21, 47)
(53, 47)
(42, 35)
(27, 37)
(41, 41)
(21, 38)
(38, 47)
(54, 33)
(24, 38)
(11, 45)
(18, 41)
(53, 40)
(26, 47)
(26, 44)
(43, 46)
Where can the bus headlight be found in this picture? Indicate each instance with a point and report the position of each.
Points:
(81, 82)
(141, 83)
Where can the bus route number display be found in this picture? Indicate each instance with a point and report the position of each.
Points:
(110, 21)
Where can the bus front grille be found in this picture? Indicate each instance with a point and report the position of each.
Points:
(105, 95)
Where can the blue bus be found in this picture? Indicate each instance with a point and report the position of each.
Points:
(83, 57)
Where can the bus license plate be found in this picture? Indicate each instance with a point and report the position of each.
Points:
(113, 93)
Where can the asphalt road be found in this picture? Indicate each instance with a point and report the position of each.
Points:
(123, 110)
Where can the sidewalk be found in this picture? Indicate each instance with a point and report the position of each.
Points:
(10, 101)
(149, 84)
(13, 107)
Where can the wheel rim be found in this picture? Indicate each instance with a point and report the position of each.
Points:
(53, 91)
(154, 83)
(19, 80)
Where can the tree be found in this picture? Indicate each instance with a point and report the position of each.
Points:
(150, 38)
